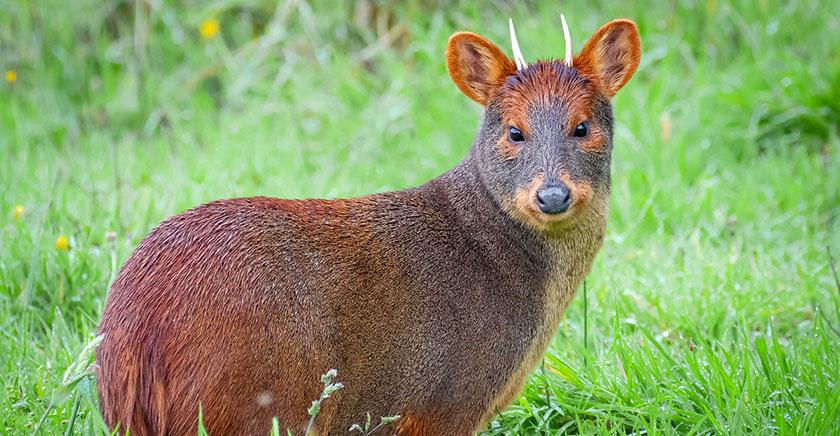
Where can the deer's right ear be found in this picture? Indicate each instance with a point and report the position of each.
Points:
(477, 66)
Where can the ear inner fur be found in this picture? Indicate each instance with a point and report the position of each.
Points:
(611, 55)
(477, 66)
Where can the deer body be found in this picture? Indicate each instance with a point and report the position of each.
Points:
(433, 303)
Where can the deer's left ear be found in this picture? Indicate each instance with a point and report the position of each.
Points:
(611, 55)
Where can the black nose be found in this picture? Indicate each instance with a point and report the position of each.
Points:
(554, 198)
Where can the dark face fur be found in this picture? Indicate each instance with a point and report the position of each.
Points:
(544, 147)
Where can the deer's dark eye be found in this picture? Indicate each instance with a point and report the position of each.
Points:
(581, 130)
(515, 135)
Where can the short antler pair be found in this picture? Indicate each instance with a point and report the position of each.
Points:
(517, 52)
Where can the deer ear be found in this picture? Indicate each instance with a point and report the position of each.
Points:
(477, 66)
(611, 55)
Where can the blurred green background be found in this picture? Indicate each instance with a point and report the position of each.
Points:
(712, 307)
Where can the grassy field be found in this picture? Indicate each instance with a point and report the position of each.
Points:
(712, 307)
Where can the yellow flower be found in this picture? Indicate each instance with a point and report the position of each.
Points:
(62, 243)
(18, 212)
(11, 76)
(209, 29)
(665, 127)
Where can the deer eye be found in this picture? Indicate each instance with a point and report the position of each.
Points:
(581, 130)
(515, 135)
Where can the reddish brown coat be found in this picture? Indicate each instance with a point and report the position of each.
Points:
(433, 303)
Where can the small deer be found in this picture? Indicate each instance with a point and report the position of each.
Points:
(433, 303)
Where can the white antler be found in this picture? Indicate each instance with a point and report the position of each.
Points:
(517, 53)
(565, 37)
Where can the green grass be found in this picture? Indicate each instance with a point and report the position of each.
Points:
(710, 309)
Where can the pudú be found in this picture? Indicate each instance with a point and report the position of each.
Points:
(433, 303)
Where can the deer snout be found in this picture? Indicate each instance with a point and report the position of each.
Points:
(554, 198)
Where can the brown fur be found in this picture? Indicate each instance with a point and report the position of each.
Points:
(433, 303)
(541, 89)
(508, 150)
(557, 297)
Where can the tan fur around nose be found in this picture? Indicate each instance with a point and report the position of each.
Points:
(524, 205)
